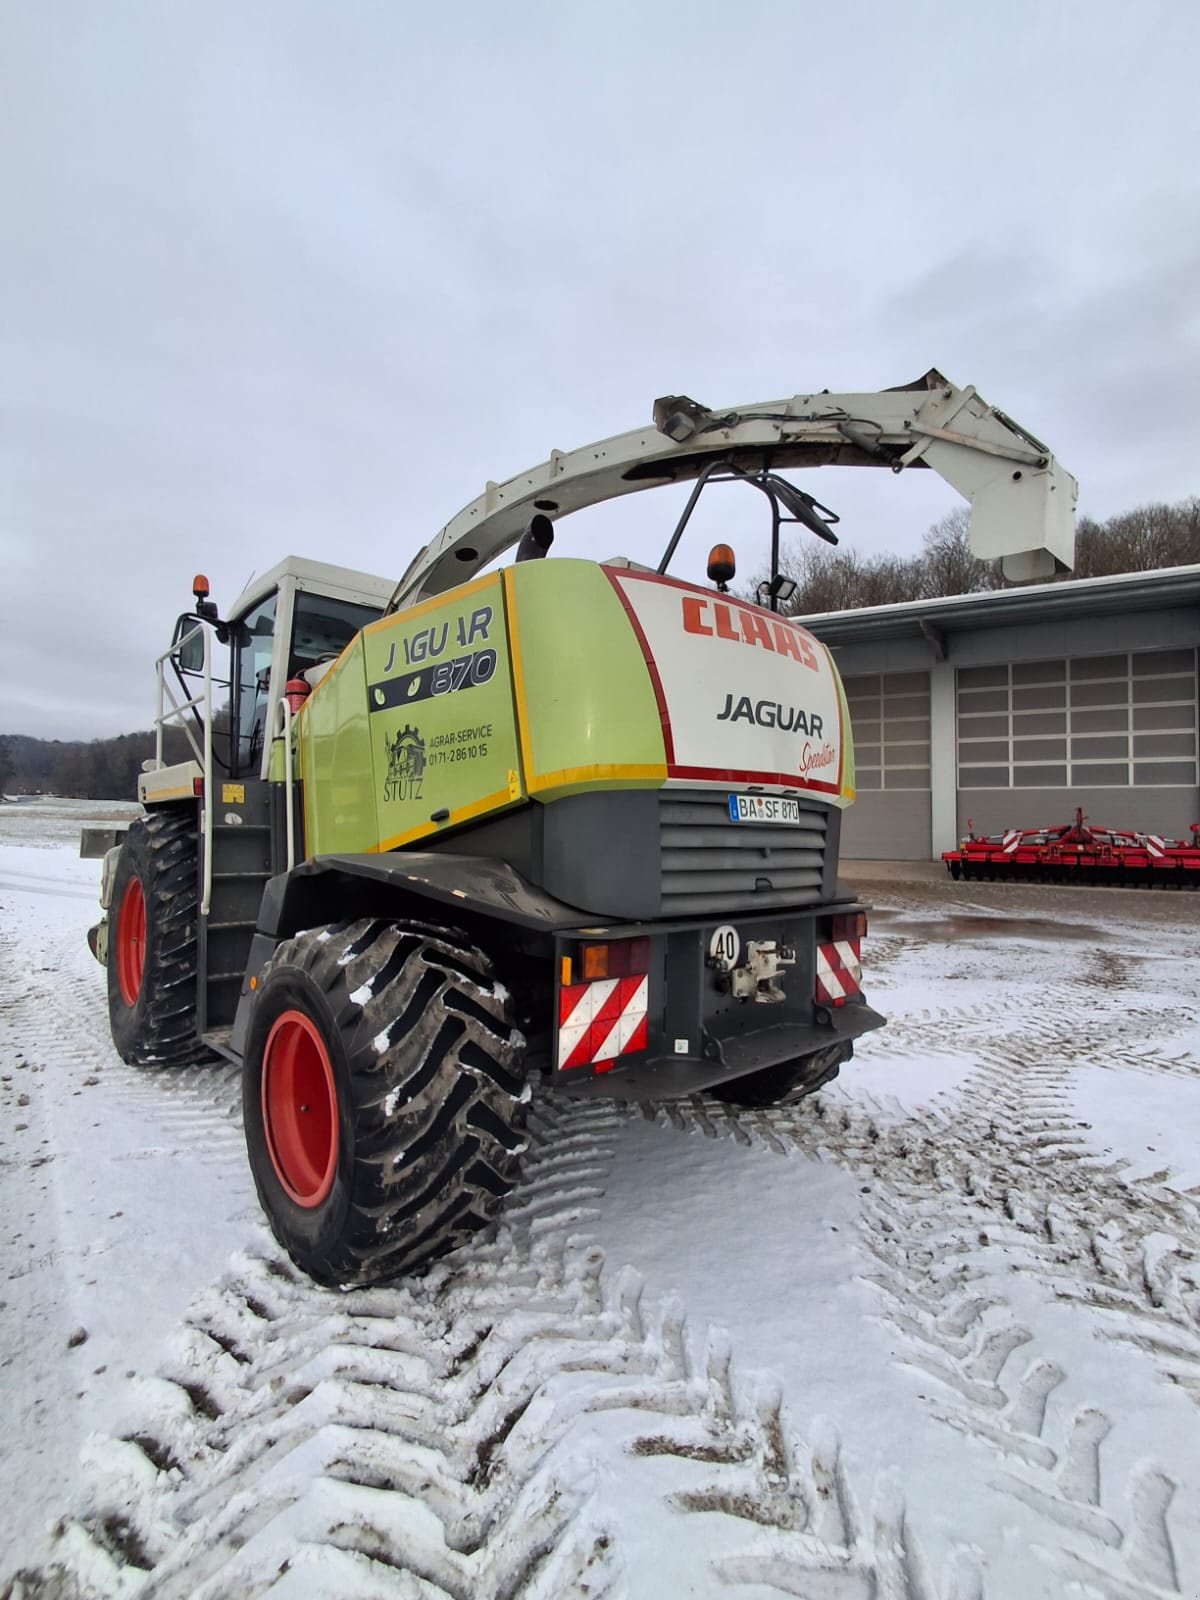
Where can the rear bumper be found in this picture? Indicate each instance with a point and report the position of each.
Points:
(670, 1077)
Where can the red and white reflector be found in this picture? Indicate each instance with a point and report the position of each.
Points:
(1011, 840)
(839, 971)
(597, 1022)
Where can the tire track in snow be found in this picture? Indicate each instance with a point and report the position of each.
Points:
(56, 1015)
(408, 1437)
(1000, 1164)
(303, 1442)
(1004, 1155)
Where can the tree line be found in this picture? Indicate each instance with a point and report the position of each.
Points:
(1142, 540)
(101, 769)
(826, 579)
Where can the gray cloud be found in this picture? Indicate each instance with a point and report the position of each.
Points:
(296, 277)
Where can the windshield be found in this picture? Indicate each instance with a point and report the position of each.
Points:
(324, 627)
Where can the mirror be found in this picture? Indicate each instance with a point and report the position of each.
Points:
(189, 655)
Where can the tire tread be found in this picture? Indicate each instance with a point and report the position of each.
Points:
(438, 1113)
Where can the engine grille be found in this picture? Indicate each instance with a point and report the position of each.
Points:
(712, 864)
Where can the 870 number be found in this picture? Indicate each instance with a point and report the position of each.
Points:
(464, 672)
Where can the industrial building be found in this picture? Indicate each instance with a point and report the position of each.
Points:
(1010, 709)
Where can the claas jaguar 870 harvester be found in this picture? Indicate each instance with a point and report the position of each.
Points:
(568, 822)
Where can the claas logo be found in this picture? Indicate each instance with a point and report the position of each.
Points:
(722, 620)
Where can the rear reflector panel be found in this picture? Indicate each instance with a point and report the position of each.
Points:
(839, 972)
(597, 1022)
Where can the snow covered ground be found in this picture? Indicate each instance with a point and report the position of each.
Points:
(932, 1335)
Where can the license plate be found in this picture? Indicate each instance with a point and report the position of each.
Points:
(764, 808)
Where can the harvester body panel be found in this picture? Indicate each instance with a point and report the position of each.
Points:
(557, 679)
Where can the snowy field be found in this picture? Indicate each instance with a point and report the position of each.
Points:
(932, 1335)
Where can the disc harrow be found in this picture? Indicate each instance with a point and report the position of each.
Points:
(1078, 852)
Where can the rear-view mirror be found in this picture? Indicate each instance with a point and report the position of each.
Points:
(189, 654)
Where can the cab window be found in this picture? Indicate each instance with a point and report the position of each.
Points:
(252, 672)
(323, 628)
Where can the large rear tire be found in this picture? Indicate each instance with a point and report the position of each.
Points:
(383, 1097)
(153, 953)
(786, 1082)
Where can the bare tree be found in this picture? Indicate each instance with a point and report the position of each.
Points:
(947, 565)
(1145, 539)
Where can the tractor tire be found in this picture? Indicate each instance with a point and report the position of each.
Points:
(787, 1081)
(153, 954)
(383, 1097)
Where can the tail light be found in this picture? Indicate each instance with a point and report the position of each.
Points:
(603, 1014)
(619, 958)
(851, 926)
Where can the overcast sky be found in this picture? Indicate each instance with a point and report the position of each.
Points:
(300, 277)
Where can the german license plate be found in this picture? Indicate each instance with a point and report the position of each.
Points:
(764, 808)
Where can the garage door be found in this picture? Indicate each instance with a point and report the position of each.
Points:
(1115, 734)
(889, 713)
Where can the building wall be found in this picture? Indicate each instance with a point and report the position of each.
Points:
(886, 825)
(1019, 725)
(1165, 811)
(1113, 733)
(890, 718)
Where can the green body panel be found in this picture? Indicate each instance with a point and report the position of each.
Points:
(535, 684)
(335, 760)
(590, 717)
(414, 721)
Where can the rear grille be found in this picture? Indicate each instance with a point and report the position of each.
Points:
(712, 864)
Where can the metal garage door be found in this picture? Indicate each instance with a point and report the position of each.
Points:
(1115, 734)
(890, 821)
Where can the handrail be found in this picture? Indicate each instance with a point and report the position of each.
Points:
(288, 775)
(202, 752)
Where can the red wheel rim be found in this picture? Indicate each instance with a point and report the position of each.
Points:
(131, 941)
(299, 1107)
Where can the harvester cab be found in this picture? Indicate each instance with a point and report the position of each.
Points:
(576, 823)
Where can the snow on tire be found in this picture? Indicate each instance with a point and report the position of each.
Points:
(383, 1097)
(153, 959)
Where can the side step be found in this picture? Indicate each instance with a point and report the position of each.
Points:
(217, 1040)
(241, 866)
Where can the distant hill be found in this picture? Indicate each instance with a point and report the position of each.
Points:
(32, 763)
(104, 769)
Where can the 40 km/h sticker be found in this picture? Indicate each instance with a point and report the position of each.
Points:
(725, 947)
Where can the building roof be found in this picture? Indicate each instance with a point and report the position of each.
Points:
(1041, 602)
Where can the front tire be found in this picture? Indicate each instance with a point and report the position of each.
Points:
(787, 1081)
(153, 953)
(383, 1097)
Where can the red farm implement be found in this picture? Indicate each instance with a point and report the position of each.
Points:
(1079, 853)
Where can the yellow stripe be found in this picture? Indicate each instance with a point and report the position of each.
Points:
(150, 798)
(518, 675)
(655, 771)
(448, 598)
(491, 802)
